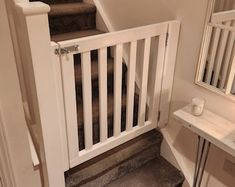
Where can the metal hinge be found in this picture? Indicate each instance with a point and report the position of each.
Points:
(66, 50)
(167, 37)
(159, 116)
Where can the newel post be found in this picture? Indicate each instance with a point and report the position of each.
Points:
(34, 41)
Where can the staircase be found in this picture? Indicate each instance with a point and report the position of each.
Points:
(70, 19)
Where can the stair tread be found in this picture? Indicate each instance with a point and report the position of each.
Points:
(76, 34)
(95, 109)
(147, 145)
(157, 172)
(63, 9)
(94, 69)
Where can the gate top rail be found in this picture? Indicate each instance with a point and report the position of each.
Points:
(123, 36)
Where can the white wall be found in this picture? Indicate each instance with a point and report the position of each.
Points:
(11, 111)
(126, 14)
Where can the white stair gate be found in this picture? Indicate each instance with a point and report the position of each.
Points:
(154, 50)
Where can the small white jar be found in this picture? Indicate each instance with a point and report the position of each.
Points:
(197, 106)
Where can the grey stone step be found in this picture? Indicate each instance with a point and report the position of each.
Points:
(117, 162)
(156, 173)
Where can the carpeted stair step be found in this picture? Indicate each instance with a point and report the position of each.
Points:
(117, 162)
(71, 17)
(157, 173)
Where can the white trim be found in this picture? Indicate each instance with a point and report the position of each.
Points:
(6, 172)
(32, 8)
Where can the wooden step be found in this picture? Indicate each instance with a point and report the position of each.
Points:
(76, 34)
(117, 162)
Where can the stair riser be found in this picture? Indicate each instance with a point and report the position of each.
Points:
(72, 23)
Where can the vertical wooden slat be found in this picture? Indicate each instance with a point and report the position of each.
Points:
(67, 64)
(131, 86)
(212, 55)
(87, 98)
(117, 88)
(230, 78)
(222, 45)
(103, 93)
(158, 78)
(228, 56)
(144, 83)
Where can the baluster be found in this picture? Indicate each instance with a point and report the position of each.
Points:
(210, 65)
(117, 88)
(87, 98)
(103, 93)
(221, 50)
(144, 83)
(131, 86)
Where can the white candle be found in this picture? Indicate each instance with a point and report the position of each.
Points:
(197, 106)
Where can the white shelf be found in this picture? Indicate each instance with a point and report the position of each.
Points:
(210, 126)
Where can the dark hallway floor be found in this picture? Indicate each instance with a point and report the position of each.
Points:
(157, 173)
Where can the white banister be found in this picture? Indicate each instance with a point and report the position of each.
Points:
(131, 85)
(223, 16)
(117, 88)
(102, 62)
(144, 83)
(35, 49)
(87, 98)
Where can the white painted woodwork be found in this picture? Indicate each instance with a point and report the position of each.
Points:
(230, 77)
(157, 85)
(87, 98)
(37, 57)
(113, 38)
(215, 129)
(169, 69)
(57, 67)
(68, 79)
(223, 16)
(101, 43)
(212, 58)
(144, 83)
(34, 155)
(220, 54)
(103, 94)
(117, 88)
(228, 56)
(131, 85)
